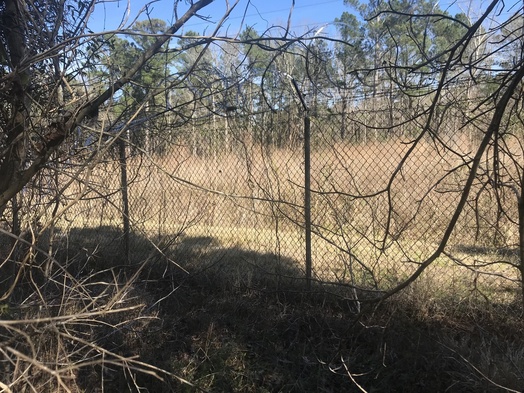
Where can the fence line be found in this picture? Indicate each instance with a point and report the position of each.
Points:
(357, 212)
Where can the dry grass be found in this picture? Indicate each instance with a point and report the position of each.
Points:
(64, 326)
(251, 197)
(240, 322)
(214, 293)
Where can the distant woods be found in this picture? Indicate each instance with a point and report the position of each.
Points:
(391, 70)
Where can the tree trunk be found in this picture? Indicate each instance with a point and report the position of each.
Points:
(521, 237)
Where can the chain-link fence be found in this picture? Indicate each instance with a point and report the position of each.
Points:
(214, 207)
(385, 197)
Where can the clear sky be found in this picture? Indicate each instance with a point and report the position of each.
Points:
(258, 13)
(262, 14)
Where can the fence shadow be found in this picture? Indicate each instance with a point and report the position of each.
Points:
(227, 319)
(233, 265)
(228, 296)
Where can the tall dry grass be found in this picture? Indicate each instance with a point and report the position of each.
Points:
(377, 211)
(239, 213)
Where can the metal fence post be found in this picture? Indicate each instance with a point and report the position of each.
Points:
(307, 196)
(125, 197)
(307, 183)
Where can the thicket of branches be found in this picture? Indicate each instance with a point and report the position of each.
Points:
(69, 98)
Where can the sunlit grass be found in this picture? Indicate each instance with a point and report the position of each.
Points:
(251, 199)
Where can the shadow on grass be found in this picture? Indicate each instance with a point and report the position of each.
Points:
(472, 250)
(240, 321)
(234, 320)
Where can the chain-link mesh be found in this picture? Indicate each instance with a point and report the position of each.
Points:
(165, 191)
(385, 194)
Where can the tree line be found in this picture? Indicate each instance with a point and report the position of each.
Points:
(380, 69)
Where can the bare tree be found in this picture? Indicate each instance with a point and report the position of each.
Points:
(52, 135)
(471, 198)
(33, 46)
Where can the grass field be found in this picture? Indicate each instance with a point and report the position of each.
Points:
(214, 291)
(370, 228)
(240, 321)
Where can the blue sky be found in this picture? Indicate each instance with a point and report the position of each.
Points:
(259, 13)
(262, 14)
